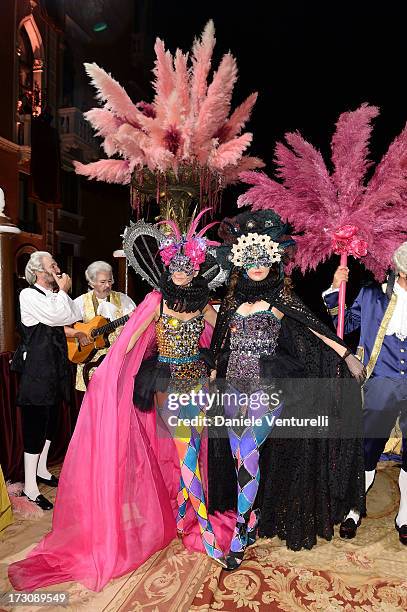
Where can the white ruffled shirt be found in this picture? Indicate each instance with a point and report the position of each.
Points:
(398, 322)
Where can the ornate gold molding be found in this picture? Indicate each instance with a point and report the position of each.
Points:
(381, 334)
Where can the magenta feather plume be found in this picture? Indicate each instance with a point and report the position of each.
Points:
(205, 229)
(305, 173)
(392, 167)
(175, 229)
(195, 222)
(350, 152)
(319, 205)
(264, 193)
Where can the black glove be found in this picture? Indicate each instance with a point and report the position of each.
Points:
(356, 367)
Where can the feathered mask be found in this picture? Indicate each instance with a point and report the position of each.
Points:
(179, 252)
(186, 252)
(255, 240)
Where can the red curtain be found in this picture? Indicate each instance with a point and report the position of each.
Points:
(11, 440)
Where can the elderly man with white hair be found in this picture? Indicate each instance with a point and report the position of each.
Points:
(42, 359)
(381, 315)
(100, 300)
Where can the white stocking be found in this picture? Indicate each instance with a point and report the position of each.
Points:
(30, 475)
(369, 478)
(42, 469)
(402, 515)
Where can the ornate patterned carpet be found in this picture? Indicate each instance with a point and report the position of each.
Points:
(368, 574)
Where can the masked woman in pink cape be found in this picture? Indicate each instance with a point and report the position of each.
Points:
(131, 477)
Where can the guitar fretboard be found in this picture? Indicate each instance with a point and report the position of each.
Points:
(107, 329)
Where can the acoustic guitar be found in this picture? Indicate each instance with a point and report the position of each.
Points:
(98, 329)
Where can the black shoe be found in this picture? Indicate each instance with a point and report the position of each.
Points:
(252, 532)
(51, 482)
(234, 560)
(402, 531)
(41, 501)
(348, 529)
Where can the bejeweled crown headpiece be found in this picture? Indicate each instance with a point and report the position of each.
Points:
(255, 251)
(254, 239)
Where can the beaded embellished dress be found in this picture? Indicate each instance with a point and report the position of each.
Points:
(251, 336)
(178, 346)
(179, 352)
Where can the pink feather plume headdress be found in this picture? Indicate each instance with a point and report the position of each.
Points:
(192, 246)
(338, 212)
(187, 124)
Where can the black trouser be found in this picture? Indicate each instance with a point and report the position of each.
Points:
(385, 399)
(39, 424)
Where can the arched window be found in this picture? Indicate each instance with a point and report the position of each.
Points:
(31, 66)
(25, 73)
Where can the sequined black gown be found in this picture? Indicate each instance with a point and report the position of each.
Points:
(310, 481)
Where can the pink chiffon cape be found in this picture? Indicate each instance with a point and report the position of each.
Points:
(116, 500)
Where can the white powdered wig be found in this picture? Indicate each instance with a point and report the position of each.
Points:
(96, 267)
(35, 265)
(400, 258)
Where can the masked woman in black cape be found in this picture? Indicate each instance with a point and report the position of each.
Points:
(297, 481)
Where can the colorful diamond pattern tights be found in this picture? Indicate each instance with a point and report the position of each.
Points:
(188, 441)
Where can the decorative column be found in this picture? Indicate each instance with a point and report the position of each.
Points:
(7, 319)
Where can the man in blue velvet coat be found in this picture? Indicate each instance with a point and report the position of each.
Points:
(381, 315)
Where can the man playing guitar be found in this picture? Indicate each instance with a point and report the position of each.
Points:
(100, 300)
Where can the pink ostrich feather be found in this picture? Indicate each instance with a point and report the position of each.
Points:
(21, 505)
(202, 51)
(110, 145)
(231, 174)
(129, 144)
(182, 82)
(229, 153)
(187, 125)
(103, 121)
(164, 83)
(114, 96)
(238, 119)
(216, 106)
(318, 204)
(107, 170)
